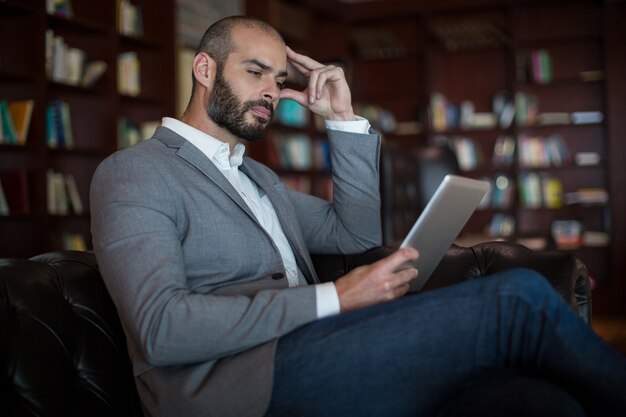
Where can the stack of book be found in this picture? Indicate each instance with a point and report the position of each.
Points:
(526, 109)
(73, 241)
(129, 19)
(541, 63)
(69, 65)
(444, 115)
(129, 74)
(501, 225)
(59, 132)
(534, 66)
(15, 121)
(502, 192)
(63, 196)
(541, 152)
(61, 8)
(540, 190)
(592, 195)
(503, 151)
(468, 154)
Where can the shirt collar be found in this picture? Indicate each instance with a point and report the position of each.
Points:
(214, 149)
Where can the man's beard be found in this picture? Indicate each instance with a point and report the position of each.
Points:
(229, 112)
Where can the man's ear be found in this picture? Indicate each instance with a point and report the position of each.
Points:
(204, 68)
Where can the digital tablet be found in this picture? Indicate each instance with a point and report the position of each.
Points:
(441, 222)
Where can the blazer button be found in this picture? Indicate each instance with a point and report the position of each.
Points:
(278, 275)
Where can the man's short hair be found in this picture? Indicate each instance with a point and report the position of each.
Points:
(217, 41)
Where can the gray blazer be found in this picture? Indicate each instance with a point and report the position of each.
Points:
(197, 281)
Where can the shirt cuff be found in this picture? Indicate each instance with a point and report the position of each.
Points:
(360, 125)
(327, 300)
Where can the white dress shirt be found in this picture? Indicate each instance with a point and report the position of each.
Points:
(327, 301)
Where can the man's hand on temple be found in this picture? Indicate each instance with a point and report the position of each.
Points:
(327, 93)
(378, 282)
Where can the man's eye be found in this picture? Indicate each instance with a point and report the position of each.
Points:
(280, 85)
(255, 73)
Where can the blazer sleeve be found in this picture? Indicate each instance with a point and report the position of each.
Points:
(136, 227)
(351, 223)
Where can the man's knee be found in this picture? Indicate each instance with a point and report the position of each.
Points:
(525, 283)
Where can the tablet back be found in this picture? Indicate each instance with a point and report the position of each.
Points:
(441, 222)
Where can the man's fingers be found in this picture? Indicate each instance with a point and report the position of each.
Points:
(297, 96)
(328, 73)
(303, 60)
(398, 258)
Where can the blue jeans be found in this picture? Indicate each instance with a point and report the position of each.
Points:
(410, 356)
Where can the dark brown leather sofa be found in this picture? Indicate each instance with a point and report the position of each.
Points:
(63, 350)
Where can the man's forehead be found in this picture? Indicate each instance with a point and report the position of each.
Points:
(257, 46)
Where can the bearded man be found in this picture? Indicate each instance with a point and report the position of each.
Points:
(206, 256)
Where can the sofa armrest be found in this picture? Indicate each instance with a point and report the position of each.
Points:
(565, 272)
(63, 347)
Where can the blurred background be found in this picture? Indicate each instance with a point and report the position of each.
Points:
(528, 95)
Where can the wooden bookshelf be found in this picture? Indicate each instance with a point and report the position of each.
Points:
(398, 56)
(94, 109)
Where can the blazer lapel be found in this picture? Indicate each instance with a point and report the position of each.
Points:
(286, 217)
(193, 156)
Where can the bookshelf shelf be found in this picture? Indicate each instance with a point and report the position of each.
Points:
(77, 25)
(557, 41)
(94, 110)
(57, 87)
(139, 42)
(13, 8)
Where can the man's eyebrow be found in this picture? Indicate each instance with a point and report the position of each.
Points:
(264, 67)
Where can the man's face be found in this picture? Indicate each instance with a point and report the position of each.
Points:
(247, 86)
(229, 112)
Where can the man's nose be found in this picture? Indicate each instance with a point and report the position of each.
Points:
(271, 92)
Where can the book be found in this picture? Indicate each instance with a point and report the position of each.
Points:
(73, 241)
(129, 74)
(76, 204)
(587, 196)
(554, 118)
(129, 19)
(567, 234)
(4, 205)
(587, 117)
(592, 75)
(587, 158)
(9, 135)
(63, 197)
(541, 66)
(595, 238)
(57, 194)
(552, 192)
(59, 132)
(530, 190)
(502, 192)
(61, 8)
(21, 113)
(290, 113)
(467, 153)
(501, 225)
(503, 151)
(92, 73)
(15, 186)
